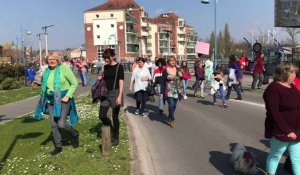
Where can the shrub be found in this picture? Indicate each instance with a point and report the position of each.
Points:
(12, 71)
(7, 83)
(16, 85)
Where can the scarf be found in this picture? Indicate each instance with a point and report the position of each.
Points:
(54, 98)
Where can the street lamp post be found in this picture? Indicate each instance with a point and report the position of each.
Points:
(46, 37)
(215, 32)
(23, 45)
(40, 47)
(24, 50)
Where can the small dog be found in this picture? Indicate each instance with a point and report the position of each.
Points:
(243, 161)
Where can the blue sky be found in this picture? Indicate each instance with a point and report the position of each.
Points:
(243, 16)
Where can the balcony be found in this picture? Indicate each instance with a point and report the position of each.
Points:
(131, 31)
(181, 39)
(149, 52)
(193, 33)
(132, 41)
(148, 28)
(163, 46)
(144, 24)
(191, 46)
(149, 44)
(163, 38)
(130, 20)
(192, 41)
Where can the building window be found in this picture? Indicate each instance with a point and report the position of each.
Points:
(98, 36)
(112, 25)
(97, 16)
(100, 51)
(98, 26)
(111, 15)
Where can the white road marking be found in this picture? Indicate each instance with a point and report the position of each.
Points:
(249, 102)
(239, 101)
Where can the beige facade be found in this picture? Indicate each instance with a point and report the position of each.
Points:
(126, 27)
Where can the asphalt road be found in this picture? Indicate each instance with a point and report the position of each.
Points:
(203, 138)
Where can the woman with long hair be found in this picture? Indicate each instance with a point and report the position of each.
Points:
(171, 88)
(185, 77)
(114, 77)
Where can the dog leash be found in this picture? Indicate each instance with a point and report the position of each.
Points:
(259, 169)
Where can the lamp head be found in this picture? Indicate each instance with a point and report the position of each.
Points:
(205, 1)
(28, 32)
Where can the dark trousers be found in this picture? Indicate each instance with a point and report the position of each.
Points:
(259, 78)
(237, 89)
(141, 99)
(172, 102)
(60, 123)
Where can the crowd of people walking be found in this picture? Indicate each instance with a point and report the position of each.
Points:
(168, 80)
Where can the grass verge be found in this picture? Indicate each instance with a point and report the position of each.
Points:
(9, 96)
(25, 146)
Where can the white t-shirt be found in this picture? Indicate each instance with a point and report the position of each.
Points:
(137, 76)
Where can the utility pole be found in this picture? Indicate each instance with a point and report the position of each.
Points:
(46, 37)
(40, 47)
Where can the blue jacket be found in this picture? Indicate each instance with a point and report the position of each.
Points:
(30, 74)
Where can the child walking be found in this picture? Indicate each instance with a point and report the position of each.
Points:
(217, 84)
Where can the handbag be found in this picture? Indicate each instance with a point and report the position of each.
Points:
(99, 89)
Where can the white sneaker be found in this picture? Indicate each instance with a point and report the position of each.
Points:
(136, 112)
(185, 97)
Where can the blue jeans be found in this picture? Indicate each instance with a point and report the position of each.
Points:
(184, 85)
(160, 101)
(221, 89)
(277, 148)
(172, 102)
(84, 78)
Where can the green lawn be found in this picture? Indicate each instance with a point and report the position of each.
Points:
(25, 146)
(10, 96)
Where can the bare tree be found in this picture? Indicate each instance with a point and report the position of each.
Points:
(292, 32)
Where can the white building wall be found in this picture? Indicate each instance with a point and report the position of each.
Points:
(119, 15)
(152, 33)
(105, 31)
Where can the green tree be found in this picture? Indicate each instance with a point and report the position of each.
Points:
(220, 45)
(228, 43)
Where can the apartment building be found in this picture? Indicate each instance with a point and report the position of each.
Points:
(125, 26)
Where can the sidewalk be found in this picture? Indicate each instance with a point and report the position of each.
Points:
(23, 107)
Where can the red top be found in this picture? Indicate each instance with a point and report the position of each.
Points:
(297, 83)
(258, 66)
(283, 111)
